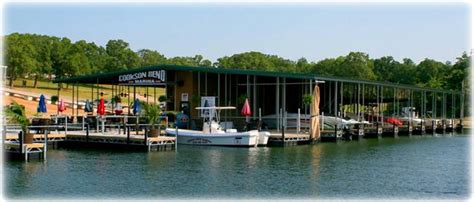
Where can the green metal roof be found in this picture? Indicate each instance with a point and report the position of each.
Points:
(107, 78)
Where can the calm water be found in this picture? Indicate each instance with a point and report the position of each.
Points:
(416, 167)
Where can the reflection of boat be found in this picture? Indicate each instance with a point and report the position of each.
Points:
(213, 134)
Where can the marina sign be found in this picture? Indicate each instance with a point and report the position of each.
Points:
(153, 78)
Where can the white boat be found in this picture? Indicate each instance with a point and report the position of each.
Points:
(409, 114)
(213, 134)
(292, 119)
(263, 138)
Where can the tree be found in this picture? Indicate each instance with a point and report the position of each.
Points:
(385, 68)
(151, 57)
(41, 55)
(60, 48)
(356, 65)
(43, 45)
(20, 56)
(302, 65)
(430, 73)
(458, 72)
(404, 73)
(256, 61)
(328, 66)
(120, 56)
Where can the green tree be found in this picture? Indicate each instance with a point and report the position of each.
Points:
(120, 56)
(43, 46)
(20, 56)
(458, 72)
(430, 73)
(59, 53)
(150, 57)
(385, 68)
(302, 65)
(327, 67)
(356, 65)
(256, 61)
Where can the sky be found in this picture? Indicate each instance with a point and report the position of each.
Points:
(312, 30)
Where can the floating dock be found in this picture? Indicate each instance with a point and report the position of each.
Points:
(288, 138)
(331, 135)
(390, 131)
(373, 131)
(112, 140)
(15, 150)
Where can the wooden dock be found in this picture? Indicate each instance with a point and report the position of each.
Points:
(419, 129)
(331, 135)
(390, 131)
(289, 138)
(373, 131)
(38, 137)
(357, 133)
(23, 151)
(114, 140)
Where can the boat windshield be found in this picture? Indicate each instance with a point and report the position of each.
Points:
(213, 113)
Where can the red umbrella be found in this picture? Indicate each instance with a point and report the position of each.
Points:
(61, 106)
(101, 107)
(394, 121)
(246, 108)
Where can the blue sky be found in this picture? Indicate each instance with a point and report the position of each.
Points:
(313, 31)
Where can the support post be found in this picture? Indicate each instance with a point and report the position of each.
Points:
(4, 134)
(254, 94)
(298, 123)
(45, 143)
(335, 99)
(127, 128)
(87, 132)
(176, 140)
(65, 125)
(322, 121)
(248, 95)
(20, 139)
(277, 105)
(145, 136)
(381, 103)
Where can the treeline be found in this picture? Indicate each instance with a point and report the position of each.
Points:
(41, 57)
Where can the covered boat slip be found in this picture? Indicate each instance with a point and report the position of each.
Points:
(278, 99)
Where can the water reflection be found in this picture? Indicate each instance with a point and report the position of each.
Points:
(408, 166)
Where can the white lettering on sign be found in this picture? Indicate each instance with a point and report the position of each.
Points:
(128, 77)
(157, 74)
(150, 77)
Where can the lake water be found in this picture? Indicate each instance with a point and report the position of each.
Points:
(427, 167)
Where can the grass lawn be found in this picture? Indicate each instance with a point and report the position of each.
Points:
(50, 88)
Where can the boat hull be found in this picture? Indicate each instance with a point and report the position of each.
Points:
(188, 137)
(263, 138)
